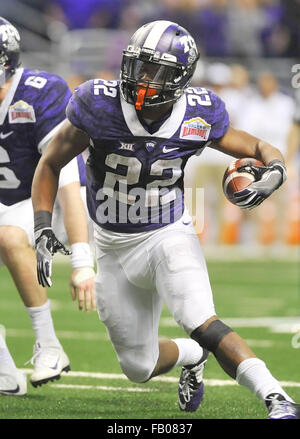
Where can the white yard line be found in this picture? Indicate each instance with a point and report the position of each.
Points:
(162, 379)
(105, 388)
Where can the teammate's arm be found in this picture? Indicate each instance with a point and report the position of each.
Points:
(82, 260)
(241, 144)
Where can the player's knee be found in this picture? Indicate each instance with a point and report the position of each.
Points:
(135, 371)
(210, 336)
(12, 238)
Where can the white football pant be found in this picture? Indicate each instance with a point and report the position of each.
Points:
(136, 273)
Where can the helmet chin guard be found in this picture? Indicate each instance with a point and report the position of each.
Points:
(158, 64)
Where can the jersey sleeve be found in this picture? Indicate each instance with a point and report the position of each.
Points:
(50, 109)
(219, 118)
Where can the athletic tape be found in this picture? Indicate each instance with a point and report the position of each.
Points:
(83, 274)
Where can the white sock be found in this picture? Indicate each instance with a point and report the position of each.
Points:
(190, 352)
(42, 322)
(5, 357)
(254, 374)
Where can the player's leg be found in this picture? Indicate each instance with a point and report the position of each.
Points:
(130, 308)
(124, 309)
(191, 357)
(19, 258)
(177, 352)
(239, 361)
(138, 264)
(17, 254)
(12, 381)
(183, 282)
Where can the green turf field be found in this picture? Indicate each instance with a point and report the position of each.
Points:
(260, 299)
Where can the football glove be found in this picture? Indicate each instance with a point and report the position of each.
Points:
(267, 180)
(46, 245)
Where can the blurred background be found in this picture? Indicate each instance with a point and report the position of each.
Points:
(249, 56)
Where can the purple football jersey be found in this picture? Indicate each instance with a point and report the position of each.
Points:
(134, 174)
(33, 107)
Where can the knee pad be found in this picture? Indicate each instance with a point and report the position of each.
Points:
(135, 371)
(211, 337)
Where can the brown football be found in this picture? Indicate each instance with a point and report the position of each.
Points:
(234, 181)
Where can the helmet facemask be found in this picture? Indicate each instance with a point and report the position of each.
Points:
(148, 83)
(152, 77)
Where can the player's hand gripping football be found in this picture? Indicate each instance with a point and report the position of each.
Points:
(267, 180)
(46, 245)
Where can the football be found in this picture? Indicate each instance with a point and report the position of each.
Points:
(234, 181)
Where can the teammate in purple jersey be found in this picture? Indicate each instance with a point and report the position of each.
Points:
(140, 132)
(32, 109)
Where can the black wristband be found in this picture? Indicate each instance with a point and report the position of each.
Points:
(42, 220)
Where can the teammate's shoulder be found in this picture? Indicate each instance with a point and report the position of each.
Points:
(50, 76)
(42, 80)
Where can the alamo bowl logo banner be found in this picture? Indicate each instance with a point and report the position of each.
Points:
(21, 112)
(195, 129)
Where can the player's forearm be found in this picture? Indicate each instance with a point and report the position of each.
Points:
(66, 144)
(44, 187)
(267, 153)
(241, 144)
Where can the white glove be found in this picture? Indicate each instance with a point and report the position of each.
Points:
(267, 180)
(46, 245)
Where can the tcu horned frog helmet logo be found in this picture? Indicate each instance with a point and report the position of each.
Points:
(158, 64)
(9, 47)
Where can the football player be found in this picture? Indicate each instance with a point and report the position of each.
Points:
(141, 131)
(32, 109)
